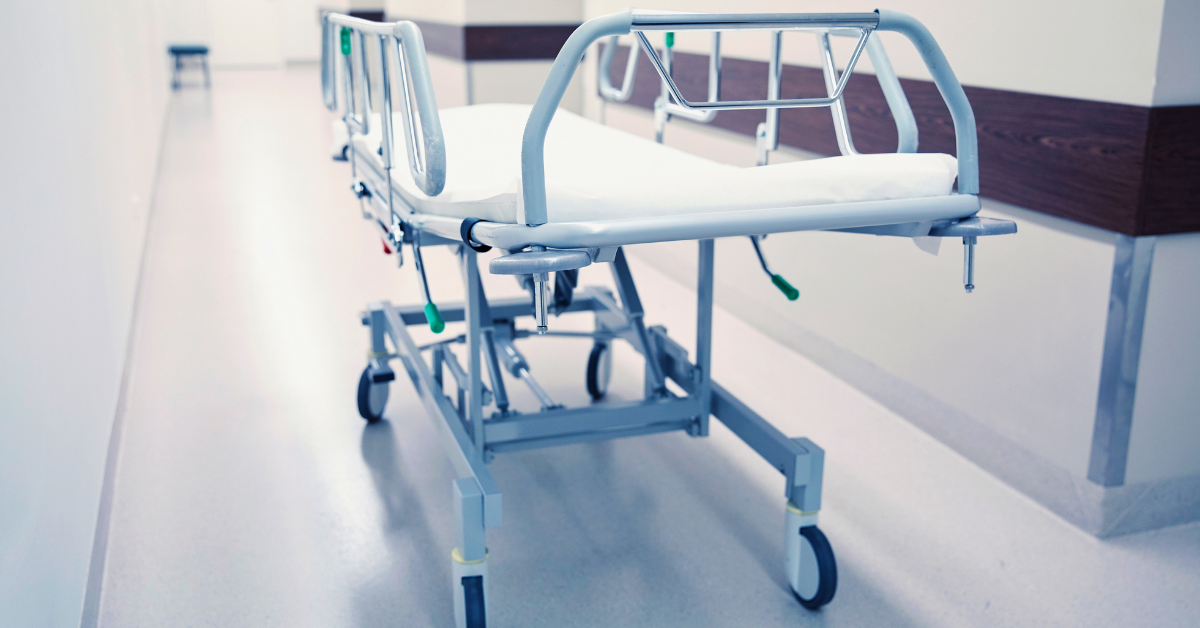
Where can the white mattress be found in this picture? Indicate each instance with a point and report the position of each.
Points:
(594, 172)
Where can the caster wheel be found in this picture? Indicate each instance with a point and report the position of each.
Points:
(599, 370)
(816, 580)
(372, 397)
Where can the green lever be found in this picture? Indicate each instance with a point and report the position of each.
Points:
(436, 324)
(345, 41)
(670, 39)
(786, 288)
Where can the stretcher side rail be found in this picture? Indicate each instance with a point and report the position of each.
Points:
(623, 23)
(400, 46)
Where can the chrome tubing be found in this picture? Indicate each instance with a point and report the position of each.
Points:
(607, 91)
(841, 125)
(428, 168)
(670, 108)
(423, 139)
(328, 68)
(720, 105)
(533, 141)
(672, 21)
(622, 23)
(967, 143)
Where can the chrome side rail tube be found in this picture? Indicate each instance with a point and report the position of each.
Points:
(657, 62)
(533, 174)
(893, 93)
(967, 148)
(841, 125)
(714, 87)
(402, 43)
(607, 91)
(533, 142)
(671, 21)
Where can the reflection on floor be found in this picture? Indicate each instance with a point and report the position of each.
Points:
(249, 493)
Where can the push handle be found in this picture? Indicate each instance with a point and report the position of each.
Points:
(434, 318)
(786, 288)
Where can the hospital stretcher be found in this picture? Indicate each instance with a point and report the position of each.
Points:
(555, 192)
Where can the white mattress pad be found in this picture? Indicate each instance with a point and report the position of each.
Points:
(594, 172)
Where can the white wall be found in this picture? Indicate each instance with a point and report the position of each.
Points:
(1178, 80)
(1164, 441)
(248, 33)
(300, 28)
(1101, 50)
(187, 22)
(76, 179)
(490, 11)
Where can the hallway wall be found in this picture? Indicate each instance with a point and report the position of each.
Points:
(82, 124)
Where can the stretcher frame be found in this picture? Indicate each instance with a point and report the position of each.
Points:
(471, 438)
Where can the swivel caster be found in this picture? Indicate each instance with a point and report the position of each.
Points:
(373, 393)
(599, 370)
(811, 567)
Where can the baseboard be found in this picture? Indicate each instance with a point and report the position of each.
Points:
(1103, 512)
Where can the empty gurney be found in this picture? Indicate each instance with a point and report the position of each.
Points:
(555, 192)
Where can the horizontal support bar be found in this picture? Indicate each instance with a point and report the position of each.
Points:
(789, 456)
(554, 423)
(770, 443)
(591, 437)
(361, 25)
(502, 309)
(671, 21)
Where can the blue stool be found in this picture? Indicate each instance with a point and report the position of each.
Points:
(178, 53)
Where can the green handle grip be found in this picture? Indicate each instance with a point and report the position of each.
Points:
(670, 39)
(345, 41)
(786, 288)
(436, 324)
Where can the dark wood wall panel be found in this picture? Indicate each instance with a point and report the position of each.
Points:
(444, 40)
(1171, 193)
(1076, 159)
(495, 43)
(371, 16)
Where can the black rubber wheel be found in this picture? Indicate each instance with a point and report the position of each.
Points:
(826, 569)
(372, 397)
(476, 610)
(599, 370)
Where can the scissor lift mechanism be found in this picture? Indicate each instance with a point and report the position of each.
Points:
(472, 436)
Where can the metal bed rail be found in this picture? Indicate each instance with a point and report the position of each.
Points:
(401, 46)
(767, 136)
(639, 22)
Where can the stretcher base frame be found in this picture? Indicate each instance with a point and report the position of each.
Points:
(471, 440)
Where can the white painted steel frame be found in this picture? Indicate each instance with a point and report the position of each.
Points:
(470, 439)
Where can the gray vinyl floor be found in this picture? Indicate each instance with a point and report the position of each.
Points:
(249, 493)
